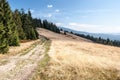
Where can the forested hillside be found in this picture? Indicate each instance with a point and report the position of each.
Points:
(45, 24)
(14, 26)
(18, 25)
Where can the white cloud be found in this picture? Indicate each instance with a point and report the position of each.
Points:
(73, 24)
(81, 25)
(85, 27)
(32, 11)
(58, 24)
(97, 11)
(57, 10)
(93, 28)
(84, 16)
(49, 6)
(48, 15)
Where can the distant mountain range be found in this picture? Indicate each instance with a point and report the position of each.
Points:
(111, 36)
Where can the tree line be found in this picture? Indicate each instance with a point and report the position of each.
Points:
(45, 24)
(98, 40)
(14, 26)
(95, 39)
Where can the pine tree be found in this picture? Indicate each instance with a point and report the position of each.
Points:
(50, 26)
(4, 17)
(18, 22)
(28, 26)
(8, 30)
(14, 39)
(37, 23)
(3, 40)
(36, 33)
(32, 34)
(4, 28)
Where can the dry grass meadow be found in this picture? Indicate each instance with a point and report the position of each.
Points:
(75, 58)
(24, 45)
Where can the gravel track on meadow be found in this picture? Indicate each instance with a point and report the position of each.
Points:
(20, 67)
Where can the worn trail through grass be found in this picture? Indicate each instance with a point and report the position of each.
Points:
(22, 66)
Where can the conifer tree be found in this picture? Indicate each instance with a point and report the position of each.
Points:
(14, 39)
(32, 34)
(37, 23)
(27, 25)
(32, 31)
(4, 28)
(18, 22)
(8, 30)
(3, 40)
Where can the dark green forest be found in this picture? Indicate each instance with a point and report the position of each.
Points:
(97, 40)
(101, 40)
(45, 24)
(18, 25)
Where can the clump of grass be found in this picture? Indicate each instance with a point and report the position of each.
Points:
(3, 62)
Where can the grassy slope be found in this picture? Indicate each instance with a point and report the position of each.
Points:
(74, 58)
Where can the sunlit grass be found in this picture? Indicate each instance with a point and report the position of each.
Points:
(76, 59)
(23, 48)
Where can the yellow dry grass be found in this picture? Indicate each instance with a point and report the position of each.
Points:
(75, 58)
(18, 49)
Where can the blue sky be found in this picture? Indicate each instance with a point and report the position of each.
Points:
(96, 16)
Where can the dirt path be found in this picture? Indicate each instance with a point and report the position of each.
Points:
(21, 66)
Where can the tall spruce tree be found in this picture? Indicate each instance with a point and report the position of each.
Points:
(18, 22)
(50, 26)
(3, 40)
(4, 28)
(31, 32)
(37, 23)
(10, 36)
(28, 27)
(14, 39)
